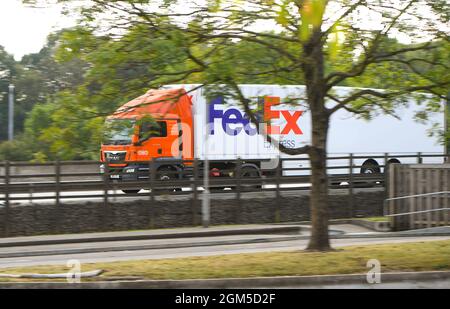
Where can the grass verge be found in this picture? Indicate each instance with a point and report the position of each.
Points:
(420, 256)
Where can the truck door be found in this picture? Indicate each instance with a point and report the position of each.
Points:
(161, 138)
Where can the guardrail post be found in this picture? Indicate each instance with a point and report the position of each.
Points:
(56, 215)
(6, 213)
(278, 172)
(412, 201)
(206, 201)
(391, 194)
(350, 186)
(386, 175)
(195, 193)
(429, 200)
(105, 195)
(419, 158)
(238, 189)
(151, 177)
(446, 196)
(57, 181)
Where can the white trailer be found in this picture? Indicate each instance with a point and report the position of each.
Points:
(222, 130)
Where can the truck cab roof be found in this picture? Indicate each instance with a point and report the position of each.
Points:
(157, 103)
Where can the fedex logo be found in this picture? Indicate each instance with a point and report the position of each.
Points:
(234, 121)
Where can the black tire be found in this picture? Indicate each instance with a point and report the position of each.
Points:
(369, 167)
(166, 174)
(251, 173)
(131, 191)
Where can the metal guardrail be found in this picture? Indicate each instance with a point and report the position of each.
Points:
(417, 195)
(93, 181)
(414, 196)
(417, 212)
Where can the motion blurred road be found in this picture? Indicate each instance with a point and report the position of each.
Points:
(193, 248)
(425, 284)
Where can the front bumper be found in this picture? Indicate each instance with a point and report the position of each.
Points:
(127, 173)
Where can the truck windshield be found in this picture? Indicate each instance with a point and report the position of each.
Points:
(118, 131)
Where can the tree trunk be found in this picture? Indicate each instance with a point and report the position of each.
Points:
(315, 88)
(319, 192)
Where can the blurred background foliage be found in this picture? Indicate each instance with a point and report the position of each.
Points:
(64, 92)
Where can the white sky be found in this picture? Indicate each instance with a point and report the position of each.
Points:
(24, 30)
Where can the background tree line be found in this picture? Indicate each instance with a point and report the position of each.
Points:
(64, 91)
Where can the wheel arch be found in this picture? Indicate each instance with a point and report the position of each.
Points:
(171, 167)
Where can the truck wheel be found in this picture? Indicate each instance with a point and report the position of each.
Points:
(251, 173)
(370, 167)
(166, 174)
(131, 191)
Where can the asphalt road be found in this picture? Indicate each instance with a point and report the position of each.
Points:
(111, 256)
(425, 284)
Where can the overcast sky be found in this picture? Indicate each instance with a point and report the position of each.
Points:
(23, 30)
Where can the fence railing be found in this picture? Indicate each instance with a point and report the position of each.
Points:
(56, 182)
(20, 178)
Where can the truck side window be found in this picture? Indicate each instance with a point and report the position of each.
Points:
(152, 129)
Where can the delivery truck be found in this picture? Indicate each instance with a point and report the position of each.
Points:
(176, 124)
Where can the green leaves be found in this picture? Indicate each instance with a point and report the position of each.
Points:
(311, 12)
(334, 42)
(283, 13)
(214, 5)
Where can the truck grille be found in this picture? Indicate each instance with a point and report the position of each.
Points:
(115, 157)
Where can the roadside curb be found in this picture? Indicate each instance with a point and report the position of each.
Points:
(259, 282)
(147, 247)
(4, 243)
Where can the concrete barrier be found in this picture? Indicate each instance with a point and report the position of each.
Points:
(168, 212)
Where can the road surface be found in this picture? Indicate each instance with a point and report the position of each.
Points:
(425, 284)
